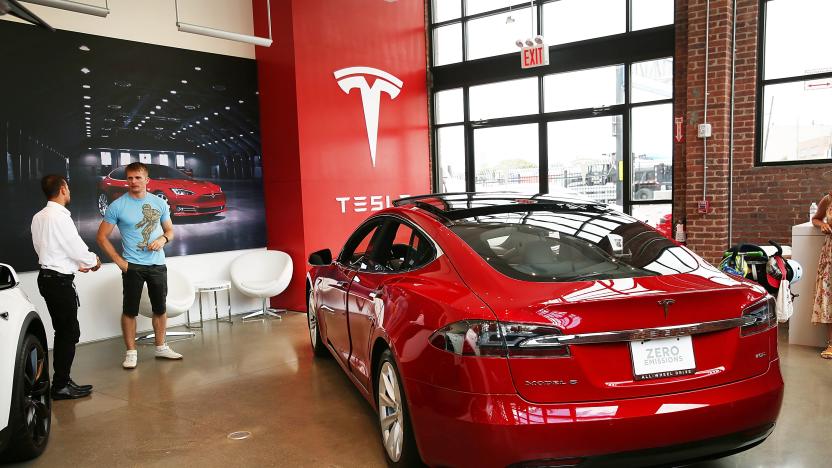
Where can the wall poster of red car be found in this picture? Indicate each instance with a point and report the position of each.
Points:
(102, 103)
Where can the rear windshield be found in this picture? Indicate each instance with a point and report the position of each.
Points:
(572, 246)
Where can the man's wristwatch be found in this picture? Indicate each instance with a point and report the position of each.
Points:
(167, 241)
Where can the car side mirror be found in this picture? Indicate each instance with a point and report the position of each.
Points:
(321, 258)
(8, 277)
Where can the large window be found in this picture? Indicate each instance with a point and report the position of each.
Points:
(565, 127)
(795, 94)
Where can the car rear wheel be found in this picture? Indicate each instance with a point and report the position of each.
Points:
(394, 419)
(318, 348)
(103, 203)
(30, 419)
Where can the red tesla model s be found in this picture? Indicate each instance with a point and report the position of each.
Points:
(500, 329)
(185, 195)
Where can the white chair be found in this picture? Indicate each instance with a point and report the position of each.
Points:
(262, 274)
(180, 298)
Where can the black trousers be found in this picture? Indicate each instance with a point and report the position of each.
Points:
(62, 301)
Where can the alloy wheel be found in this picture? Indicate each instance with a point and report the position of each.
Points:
(390, 412)
(36, 403)
(312, 320)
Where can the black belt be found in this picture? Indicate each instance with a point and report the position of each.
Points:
(47, 273)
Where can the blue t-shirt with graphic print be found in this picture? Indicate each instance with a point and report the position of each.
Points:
(139, 222)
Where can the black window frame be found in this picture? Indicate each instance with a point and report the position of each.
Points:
(620, 49)
(762, 83)
(380, 226)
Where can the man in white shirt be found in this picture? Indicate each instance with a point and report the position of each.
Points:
(61, 252)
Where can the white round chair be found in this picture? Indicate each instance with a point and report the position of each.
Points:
(262, 274)
(180, 298)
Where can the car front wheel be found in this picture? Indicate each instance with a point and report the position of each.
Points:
(394, 419)
(30, 419)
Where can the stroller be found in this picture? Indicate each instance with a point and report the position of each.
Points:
(768, 269)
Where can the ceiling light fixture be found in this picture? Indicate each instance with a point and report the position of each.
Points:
(164, 100)
(219, 33)
(74, 6)
(87, 97)
(85, 70)
(184, 81)
(84, 48)
(198, 68)
(173, 91)
(86, 86)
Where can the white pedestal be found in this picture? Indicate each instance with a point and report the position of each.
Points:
(807, 241)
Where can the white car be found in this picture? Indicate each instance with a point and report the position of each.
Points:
(25, 406)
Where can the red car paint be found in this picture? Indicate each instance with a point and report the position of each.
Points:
(500, 411)
(205, 198)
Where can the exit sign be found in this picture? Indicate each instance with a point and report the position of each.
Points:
(534, 56)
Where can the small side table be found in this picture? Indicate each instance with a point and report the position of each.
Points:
(211, 286)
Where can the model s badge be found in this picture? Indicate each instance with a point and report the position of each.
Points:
(356, 77)
(666, 303)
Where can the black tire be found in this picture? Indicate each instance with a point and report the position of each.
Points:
(409, 454)
(318, 347)
(644, 194)
(30, 419)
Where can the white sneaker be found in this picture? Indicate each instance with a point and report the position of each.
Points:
(130, 359)
(165, 352)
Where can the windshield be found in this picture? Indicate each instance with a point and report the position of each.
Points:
(572, 246)
(163, 172)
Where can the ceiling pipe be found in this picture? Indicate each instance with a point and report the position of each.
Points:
(222, 34)
(73, 6)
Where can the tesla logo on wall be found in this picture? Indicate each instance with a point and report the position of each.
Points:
(356, 77)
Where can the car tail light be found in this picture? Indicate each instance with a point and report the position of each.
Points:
(498, 339)
(763, 315)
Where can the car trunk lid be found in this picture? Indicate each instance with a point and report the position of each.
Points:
(625, 334)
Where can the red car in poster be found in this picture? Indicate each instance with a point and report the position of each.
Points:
(502, 330)
(185, 195)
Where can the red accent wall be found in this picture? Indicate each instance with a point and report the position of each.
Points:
(315, 145)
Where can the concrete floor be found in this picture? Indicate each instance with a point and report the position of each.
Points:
(261, 377)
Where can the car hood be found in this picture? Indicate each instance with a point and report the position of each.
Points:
(196, 186)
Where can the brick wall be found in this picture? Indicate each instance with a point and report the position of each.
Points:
(767, 201)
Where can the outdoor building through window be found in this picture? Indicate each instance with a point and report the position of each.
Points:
(592, 122)
(795, 96)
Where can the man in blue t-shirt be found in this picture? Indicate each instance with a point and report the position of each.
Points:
(143, 220)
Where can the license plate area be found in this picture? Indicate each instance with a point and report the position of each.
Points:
(665, 357)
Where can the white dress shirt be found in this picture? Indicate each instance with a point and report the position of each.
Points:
(57, 243)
